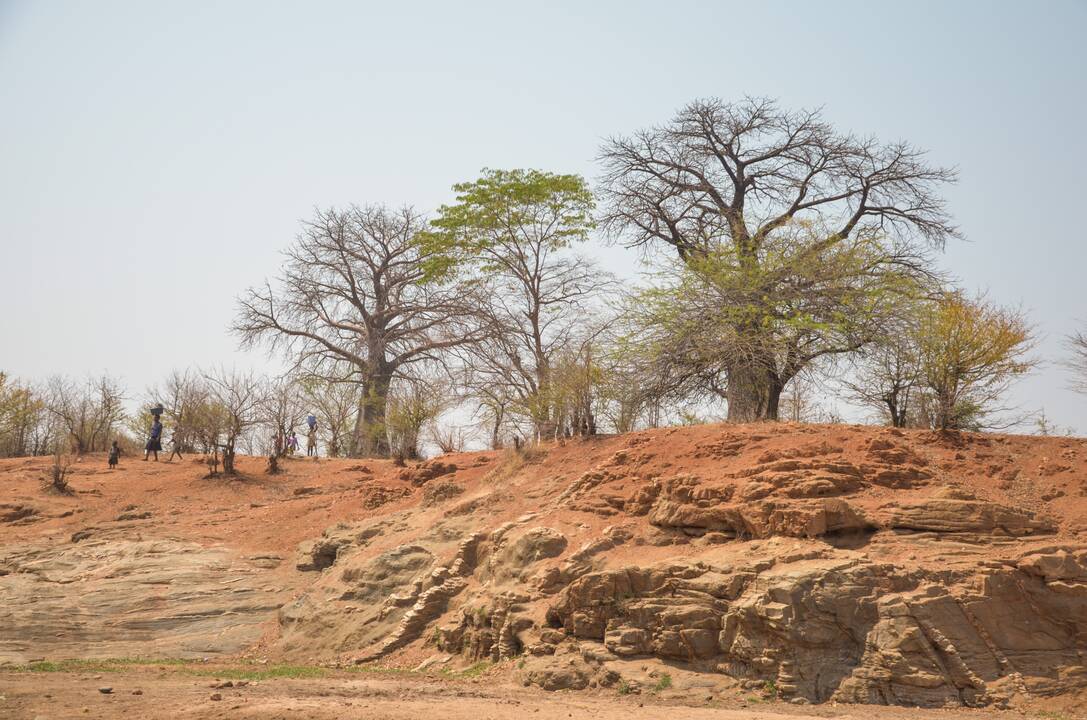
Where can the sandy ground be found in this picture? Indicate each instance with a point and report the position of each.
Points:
(168, 694)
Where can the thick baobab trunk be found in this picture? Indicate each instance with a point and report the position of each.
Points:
(371, 437)
(754, 392)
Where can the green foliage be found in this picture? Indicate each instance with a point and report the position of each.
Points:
(496, 209)
(476, 670)
(801, 295)
(663, 682)
(24, 422)
(969, 353)
(624, 687)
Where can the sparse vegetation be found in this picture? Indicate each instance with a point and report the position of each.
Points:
(476, 669)
(663, 682)
(59, 470)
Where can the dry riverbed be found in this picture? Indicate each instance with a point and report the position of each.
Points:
(195, 690)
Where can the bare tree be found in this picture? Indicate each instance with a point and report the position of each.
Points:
(414, 403)
(334, 399)
(356, 289)
(1077, 361)
(729, 178)
(886, 374)
(448, 437)
(88, 412)
(281, 410)
(183, 395)
(237, 396)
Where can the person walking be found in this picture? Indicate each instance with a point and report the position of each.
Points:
(311, 442)
(175, 445)
(114, 455)
(292, 443)
(154, 442)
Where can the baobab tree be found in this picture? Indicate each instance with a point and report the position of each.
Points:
(356, 289)
(725, 185)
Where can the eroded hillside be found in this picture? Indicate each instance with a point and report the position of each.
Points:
(815, 563)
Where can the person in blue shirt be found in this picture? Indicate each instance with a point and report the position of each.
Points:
(154, 442)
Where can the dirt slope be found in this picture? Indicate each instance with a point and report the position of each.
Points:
(814, 563)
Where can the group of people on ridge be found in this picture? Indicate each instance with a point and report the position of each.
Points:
(287, 445)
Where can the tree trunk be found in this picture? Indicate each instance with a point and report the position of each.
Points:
(228, 459)
(753, 392)
(371, 437)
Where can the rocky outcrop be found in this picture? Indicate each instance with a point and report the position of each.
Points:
(429, 599)
(111, 596)
(952, 515)
(793, 518)
(849, 629)
(424, 472)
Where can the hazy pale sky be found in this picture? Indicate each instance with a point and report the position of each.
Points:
(156, 157)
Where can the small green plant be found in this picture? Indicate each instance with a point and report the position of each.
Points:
(663, 682)
(624, 687)
(770, 688)
(520, 663)
(476, 670)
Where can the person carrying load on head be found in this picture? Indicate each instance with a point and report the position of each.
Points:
(154, 441)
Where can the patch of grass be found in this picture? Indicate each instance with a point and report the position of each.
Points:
(380, 670)
(770, 688)
(189, 667)
(91, 665)
(476, 670)
(624, 688)
(663, 683)
(263, 673)
(512, 460)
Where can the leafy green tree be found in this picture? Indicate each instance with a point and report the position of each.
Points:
(970, 351)
(24, 426)
(510, 233)
(742, 331)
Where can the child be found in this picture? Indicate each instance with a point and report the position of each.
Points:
(175, 446)
(114, 455)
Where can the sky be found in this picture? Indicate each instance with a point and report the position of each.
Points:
(156, 158)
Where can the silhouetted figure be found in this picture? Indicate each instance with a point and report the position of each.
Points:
(154, 442)
(114, 455)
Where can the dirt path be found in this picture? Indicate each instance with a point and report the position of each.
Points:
(169, 694)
